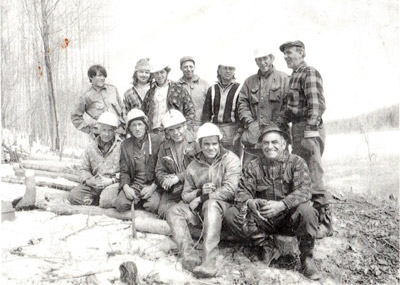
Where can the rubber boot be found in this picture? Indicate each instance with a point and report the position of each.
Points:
(29, 199)
(308, 267)
(212, 234)
(183, 239)
(325, 228)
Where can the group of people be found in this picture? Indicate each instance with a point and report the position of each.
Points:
(210, 156)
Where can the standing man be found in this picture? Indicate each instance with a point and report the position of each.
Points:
(195, 86)
(100, 167)
(210, 184)
(221, 107)
(260, 100)
(274, 198)
(100, 98)
(165, 95)
(304, 105)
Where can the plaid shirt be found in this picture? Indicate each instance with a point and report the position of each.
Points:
(304, 100)
(285, 180)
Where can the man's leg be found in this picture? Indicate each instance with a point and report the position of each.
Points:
(213, 213)
(152, 204)
(304, 222)
(179, 217)
(82, 195)
(122, 203)
(320, 197)
(108, 196)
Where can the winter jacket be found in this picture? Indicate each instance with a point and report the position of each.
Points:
(197, 90)
(286, 180)
(260, 101)
(94, 162)
(224, 172)
(138, 163)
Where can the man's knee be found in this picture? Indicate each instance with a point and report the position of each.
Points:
(108, 196)
(307, 211)
(174, 212)
(76, 196)
(122, 203)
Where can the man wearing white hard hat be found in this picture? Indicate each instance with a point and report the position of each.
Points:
(165, 95)
(99, 98)
(100, 167)
(196, 87)
(138, 161)
(221, 106)
(260, 100)
(210, 184)
(175, 154)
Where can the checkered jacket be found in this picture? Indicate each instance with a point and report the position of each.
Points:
(305, 99)
(286, 180)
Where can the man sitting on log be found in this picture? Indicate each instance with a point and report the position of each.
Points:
(209, 189)
(100, 166)
(274, 198)
(138, 162)
(175, 154)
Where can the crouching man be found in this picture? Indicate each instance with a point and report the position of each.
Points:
(175, 154)
(100, 167)
(274, 198)
(138, 162)
(210, 183)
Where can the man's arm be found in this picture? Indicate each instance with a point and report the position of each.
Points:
(244, 110)
(314, 92)
(86, 169)
(301, 184)
(124, 169)
(207, 108)
(77, 117)
(188, 108)
(189, 192)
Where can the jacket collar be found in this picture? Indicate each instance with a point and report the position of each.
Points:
(301, 66)
(117, 140)
(269, 72)
(194, 79)
(201, 159)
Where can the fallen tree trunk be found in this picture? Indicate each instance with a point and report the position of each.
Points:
(51, 166)
(40, 183)
(49, 174)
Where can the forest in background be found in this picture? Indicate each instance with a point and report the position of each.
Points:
(46, 48)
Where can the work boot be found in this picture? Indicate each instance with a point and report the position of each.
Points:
(325, 228)
(190, 260)
(28, 201)
(212, 233)
(308, 267)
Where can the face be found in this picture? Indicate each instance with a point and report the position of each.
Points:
(177, 133)
(107, 133)
(98, 80)
(161, 77)
(188, 69)
(137, 128)
(273, 145)
(210, 147)
(293, 57)
(143, 76)
(226, 72)
(264, 63)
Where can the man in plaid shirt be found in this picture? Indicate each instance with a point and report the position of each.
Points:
(273, 197)
(303, 106)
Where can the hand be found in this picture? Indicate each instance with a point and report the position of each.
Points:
(272, 209)
(170, 181)
(94, 183)
(235, 138)
(105, 181)
(195, 203)
(254, 205)
(129, 193)
(208, 188)
(147, 191)
(309, 145)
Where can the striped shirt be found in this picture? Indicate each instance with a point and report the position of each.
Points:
(221, 104)
(305, 99)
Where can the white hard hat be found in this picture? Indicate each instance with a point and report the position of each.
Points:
(157, 65)
(261, 52)
(172, 118)
(108, 118)
(208, 130)
(136, 114)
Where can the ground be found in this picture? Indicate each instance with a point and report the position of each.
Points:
(40, 247)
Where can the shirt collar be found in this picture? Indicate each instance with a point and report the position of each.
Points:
(233, 81)
(194, 79)
(301, 66)
(269, 72)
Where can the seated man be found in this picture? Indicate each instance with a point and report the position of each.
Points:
(274, 197)
(210, 184)
(138, 161)
(175, 154)
(100, 166)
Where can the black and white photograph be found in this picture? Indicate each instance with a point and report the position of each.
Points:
(198, 142)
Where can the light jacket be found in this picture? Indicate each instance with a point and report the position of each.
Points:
(224, 172)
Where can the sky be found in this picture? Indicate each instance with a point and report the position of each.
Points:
(354, 44)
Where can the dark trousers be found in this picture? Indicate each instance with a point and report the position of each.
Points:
(301, 221)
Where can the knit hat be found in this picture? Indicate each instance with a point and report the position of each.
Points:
(143, 64)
